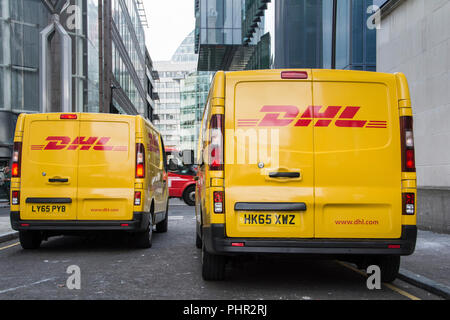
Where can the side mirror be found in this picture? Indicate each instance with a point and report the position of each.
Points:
(188, 157)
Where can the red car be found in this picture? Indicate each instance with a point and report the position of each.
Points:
(181, 178)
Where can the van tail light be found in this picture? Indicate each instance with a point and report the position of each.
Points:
(16, 160)
(219, 202)
(137, 198)
(409, 204)
(216, 143)
(297, 75)
(15, 198)
(408, 152)
(140, 161)
(68, 117)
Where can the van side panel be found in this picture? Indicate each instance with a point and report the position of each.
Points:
(357, 156)
(154, 184)
(106, 171)
(262, 110)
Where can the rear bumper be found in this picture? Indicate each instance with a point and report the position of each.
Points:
(217, 243)
(140, 222)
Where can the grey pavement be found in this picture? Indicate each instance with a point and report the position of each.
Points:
(171, 269)
(431, 258)
(5, 224)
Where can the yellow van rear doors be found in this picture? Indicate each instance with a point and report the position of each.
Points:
(356, 156)
(269, 184)
(106, 168)
(49, 170)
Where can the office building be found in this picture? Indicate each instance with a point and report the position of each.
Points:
(414, 38)
(72, 56)
(285, 34)
(194, 94)
(171, 74)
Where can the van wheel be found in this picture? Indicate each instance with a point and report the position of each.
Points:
(390, 266)
(143, 240)
(30, 240)
(213, 266)
(162, 226)
(189, 196)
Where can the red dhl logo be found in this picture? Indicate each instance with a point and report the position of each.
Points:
(79, 143)
(283, 116)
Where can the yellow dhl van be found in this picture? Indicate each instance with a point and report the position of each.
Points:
(307, 162)
(79, 172)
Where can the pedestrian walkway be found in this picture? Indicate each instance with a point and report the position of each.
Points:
(431, 258)
(5, 229)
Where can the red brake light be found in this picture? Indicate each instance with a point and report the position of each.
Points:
(408, 154)
(137, 198)
(216, 143)
(409, 204)
(15, 170)
(140, 172)
(140, 161)
(15, 198)
(238, 244)
(410, 159)
(16, 160)
(69, 117)
(218, 202)
(299, 75)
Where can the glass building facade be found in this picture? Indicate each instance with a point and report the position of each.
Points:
(293, 34)
(219, 22)
(128, 64)
(108, 60)
(20, 24)
(218, 35)
(111, 71)
(194, 94)
(334, 35)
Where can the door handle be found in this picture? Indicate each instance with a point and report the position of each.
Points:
(58, 180)
(291, 175)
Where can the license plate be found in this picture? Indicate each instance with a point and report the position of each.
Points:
(269, 219)
(48, 208)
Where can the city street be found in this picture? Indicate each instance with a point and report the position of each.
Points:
(171, 269)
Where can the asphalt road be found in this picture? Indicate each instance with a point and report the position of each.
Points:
(112, 269)
(4, 212)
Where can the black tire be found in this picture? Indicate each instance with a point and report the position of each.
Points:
(143, 240)
(162, 226)
(189, 196)
(213, 266)
(390, 266)
(30, 240)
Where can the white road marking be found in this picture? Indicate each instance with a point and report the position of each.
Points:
(176, 217)
(27, 285)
